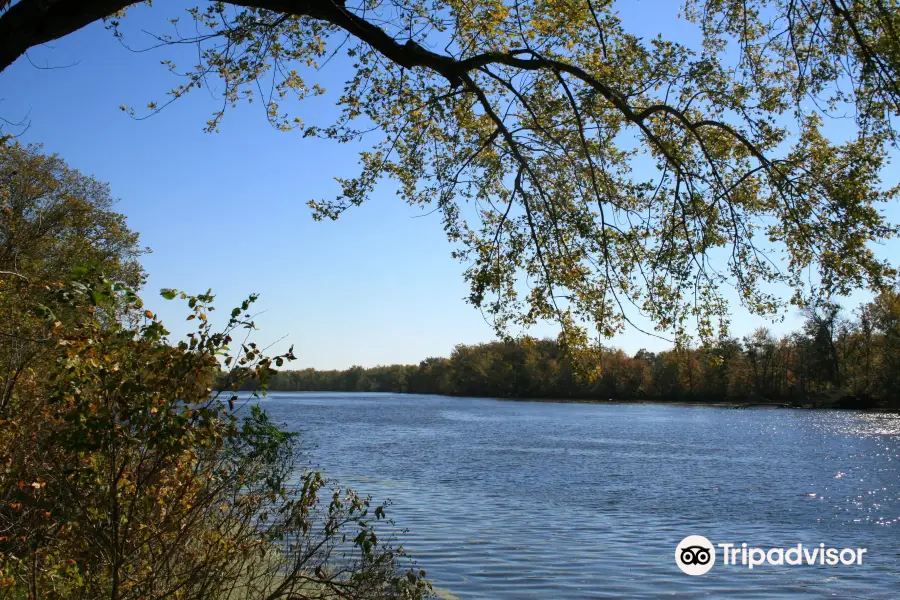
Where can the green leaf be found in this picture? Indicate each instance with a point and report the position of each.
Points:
(44, 312)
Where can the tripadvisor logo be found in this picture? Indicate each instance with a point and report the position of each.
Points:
(696, 555)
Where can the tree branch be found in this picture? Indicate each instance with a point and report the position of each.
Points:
(29, 23)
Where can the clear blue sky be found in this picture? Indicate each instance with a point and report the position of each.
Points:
(228, 211)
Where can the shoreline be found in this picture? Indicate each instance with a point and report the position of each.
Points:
(727, 404)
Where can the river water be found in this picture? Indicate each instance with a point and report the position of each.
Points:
(549, 500)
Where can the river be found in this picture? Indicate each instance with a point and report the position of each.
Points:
(550, 500)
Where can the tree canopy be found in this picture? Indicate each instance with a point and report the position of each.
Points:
(585, 174)
(52, 218)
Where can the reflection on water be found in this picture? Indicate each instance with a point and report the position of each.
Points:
(543, 500)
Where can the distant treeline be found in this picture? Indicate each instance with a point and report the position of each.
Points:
(854, 357)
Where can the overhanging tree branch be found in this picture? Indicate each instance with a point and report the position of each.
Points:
(29, 23)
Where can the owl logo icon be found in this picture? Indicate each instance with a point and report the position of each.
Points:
(695, 555)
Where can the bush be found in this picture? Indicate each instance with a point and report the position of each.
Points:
(125, 475)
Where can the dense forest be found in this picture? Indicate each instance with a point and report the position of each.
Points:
(848, 359)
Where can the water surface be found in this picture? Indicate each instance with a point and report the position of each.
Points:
(522, 500)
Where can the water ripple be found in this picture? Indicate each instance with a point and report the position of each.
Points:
(544, 500)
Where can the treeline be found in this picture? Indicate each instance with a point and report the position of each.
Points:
(836, 357)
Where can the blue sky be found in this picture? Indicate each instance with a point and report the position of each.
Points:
(228, 211)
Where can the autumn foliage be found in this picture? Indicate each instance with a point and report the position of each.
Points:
(124, 473)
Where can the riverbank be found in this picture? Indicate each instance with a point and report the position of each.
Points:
(725, 403)
(730, 403)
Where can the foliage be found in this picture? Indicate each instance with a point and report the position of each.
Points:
(124, 473)
(614, 174)
(51, 218)
(124, 476)
(55, 217)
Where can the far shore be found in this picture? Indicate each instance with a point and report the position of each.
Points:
(839, 404)
(734, 404)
